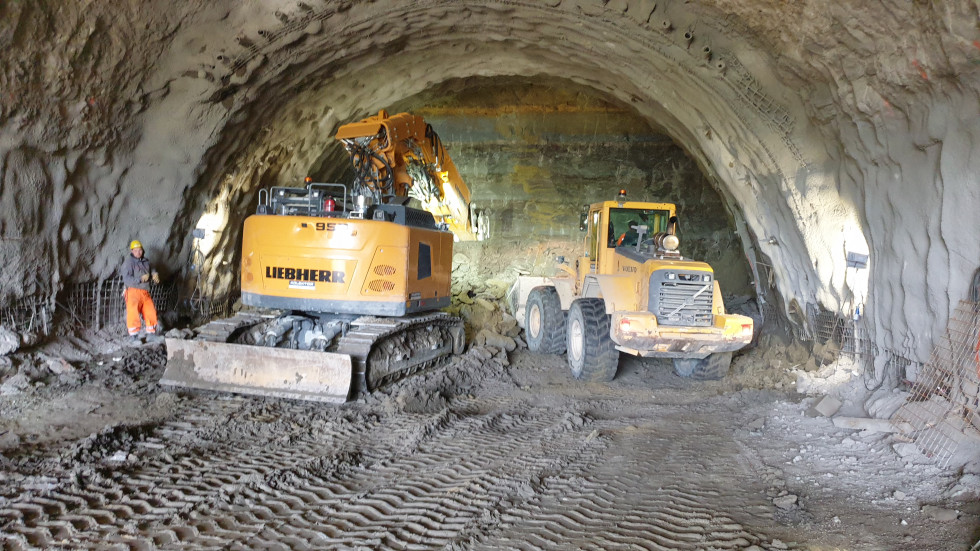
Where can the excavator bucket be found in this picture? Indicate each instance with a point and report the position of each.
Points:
(262, 371)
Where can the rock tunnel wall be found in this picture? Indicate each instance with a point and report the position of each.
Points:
(833, 129)
(533, 153)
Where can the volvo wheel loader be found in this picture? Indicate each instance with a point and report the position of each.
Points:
(630, 291)
(351, 277)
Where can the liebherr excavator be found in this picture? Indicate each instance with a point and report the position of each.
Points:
(355, 275)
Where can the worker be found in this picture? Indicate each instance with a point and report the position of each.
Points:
(137, 274)
(630, 236)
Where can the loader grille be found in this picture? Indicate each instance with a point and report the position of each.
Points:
(384, 270)
(681, 298)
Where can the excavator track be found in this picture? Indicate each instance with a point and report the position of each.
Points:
(385, 350)
(374, 352)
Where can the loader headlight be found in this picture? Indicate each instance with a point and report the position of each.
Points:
(707, 277)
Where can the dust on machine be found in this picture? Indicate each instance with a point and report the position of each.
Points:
(352, 275)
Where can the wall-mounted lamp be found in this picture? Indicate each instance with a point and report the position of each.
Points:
(857, 260)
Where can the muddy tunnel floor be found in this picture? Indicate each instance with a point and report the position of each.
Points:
(471, 455)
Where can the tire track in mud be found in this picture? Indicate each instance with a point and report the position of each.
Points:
(503, 471)
(264, 477)
(673, 497)
(428, 499)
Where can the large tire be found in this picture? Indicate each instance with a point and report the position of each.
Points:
(544, 321)
(592, 355)
(712, 368)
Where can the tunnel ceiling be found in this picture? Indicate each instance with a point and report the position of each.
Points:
(828, 128)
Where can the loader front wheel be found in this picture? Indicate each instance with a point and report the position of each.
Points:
(712, 368)
(592, 355)
(544, 321)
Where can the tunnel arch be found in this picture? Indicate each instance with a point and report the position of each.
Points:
(744, 137)
(831, 137)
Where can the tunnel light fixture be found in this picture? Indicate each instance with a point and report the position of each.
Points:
(857, 260)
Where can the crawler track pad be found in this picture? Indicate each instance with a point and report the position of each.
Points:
(262, 371)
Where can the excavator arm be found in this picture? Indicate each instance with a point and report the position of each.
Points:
(397, 156)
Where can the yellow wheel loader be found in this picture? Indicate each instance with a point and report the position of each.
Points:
(351, 278)
(630, 291)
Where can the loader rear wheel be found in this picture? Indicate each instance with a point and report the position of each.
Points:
(544, 321)
(712, 368)
(592, 355)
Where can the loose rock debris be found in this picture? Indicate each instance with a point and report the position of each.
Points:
(491, 450)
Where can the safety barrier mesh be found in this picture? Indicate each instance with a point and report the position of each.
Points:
(204, 309)
(942, 408)
(100, 304)
(97, 305)
(32, 314)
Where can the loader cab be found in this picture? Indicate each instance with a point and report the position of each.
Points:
(613, 225)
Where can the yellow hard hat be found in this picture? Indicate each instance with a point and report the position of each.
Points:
(135, 245)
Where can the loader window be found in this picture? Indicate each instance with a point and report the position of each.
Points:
(621, 232)
(593, 234)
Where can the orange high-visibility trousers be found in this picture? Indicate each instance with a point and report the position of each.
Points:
(138, 302)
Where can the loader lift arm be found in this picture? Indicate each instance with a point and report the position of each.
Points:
(396, 156)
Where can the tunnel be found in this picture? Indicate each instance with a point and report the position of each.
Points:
(822, 158)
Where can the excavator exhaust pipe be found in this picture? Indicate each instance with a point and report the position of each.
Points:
(260, 371)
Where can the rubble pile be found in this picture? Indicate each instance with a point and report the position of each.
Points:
(480, 302)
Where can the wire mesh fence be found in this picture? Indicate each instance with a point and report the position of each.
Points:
(100, 304)
(204, 309)
(31, 314)
(943, 408)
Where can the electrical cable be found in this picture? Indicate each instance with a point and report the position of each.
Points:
(975, 287)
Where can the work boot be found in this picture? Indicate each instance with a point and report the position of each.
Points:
(135, 339)
(154, 339)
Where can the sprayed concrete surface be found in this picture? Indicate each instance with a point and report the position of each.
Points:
(838, 128)
(799, 132)
(484, 452)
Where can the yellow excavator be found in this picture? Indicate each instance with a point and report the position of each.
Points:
(352, 277)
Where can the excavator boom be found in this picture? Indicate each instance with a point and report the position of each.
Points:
(401, 155)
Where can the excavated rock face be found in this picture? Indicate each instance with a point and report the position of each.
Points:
(826, 129)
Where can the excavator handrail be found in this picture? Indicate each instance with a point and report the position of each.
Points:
(306, 199)
(314, 185)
